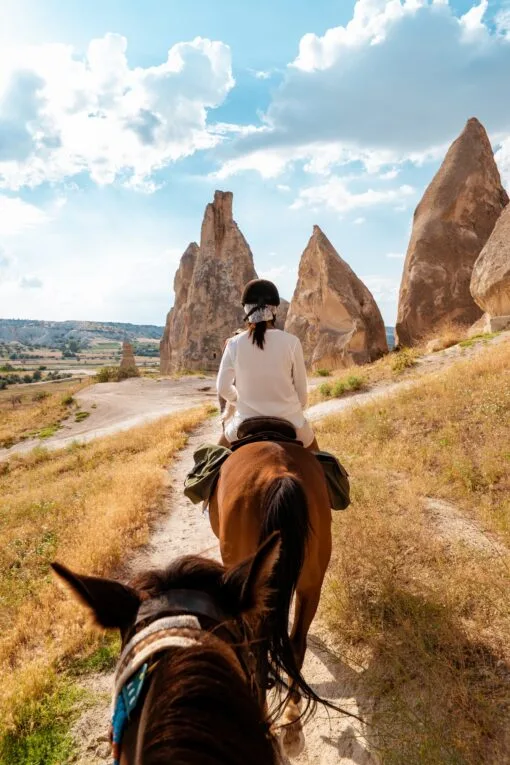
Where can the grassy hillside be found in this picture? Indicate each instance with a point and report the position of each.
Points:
(420, 603)
(87, 506)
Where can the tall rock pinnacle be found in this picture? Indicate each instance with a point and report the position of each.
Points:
(451, 226)
(208, 287)
(332, 311)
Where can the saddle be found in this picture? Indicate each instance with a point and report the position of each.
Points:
(265, 429)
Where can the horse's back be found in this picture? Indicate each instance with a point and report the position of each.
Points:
(243, 484)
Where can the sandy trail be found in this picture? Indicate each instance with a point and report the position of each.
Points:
(182, 528)
(113, 407)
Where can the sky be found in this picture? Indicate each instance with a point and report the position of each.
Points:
(119, 119)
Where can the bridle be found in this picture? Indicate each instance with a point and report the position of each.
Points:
(175, 619)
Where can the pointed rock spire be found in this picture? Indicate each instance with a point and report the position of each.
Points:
(332, 311)
(208, 288)
(451, 226)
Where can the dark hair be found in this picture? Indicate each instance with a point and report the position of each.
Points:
(258, 333)
(260, 291)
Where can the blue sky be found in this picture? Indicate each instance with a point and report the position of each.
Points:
(118, 119)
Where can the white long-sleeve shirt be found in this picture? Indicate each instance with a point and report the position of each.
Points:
(269, 382)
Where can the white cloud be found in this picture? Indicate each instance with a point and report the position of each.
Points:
(283, 187)
(30, 282)
(17, 216)
(336, 195)
(395, 255)
(383, 288)
(359, 221)
(390, 175)
(397, 83)
(262, 75)
(62, 114)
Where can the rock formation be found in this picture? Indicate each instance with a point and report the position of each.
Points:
(451, 226)
(332, 312)
(490, 281)
(171, 345)
(208, 286)
(128, 357)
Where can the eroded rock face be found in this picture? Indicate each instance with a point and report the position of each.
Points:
(451, 225)
(332, 312)
(208, 287)
(490, 281)
(171, 345)
(128, 357)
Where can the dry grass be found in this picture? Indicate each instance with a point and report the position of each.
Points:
(87, 506)
(428, 618)
(448, 333)
(35, 412)
(386, 369)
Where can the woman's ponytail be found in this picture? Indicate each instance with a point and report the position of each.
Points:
(258, 333)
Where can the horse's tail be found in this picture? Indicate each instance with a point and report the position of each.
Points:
(286, 511)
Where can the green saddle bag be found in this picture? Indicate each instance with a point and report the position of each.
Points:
(200, 482)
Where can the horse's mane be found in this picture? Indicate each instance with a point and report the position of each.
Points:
(201, 710)
(198, 707)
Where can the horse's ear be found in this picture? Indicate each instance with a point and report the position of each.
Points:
(253, 576)
(112, 604)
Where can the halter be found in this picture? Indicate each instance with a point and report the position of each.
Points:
(173, 623)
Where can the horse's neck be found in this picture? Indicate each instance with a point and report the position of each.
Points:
(198, 709)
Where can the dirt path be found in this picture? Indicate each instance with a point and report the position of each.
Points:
(182, 528)
(113, 407)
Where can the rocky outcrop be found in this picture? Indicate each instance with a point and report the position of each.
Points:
(171, 346)
(451, 226)
(490, 281)
(128, 357)
(208, 286)
(332, 312)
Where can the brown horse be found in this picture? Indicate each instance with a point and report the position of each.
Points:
(187, 674)
(265, 487)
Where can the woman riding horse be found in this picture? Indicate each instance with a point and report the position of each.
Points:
(268, 486)
(262, 371)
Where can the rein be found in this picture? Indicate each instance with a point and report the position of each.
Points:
(171, 620)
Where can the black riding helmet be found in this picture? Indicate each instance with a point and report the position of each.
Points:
(260, 292)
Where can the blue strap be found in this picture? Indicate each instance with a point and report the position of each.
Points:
(126, 703)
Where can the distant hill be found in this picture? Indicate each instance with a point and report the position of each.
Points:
(54, 333)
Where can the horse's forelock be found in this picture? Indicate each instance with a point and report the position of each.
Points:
(190, 571)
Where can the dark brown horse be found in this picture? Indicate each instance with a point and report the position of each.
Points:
(187, 673)
(265, 487)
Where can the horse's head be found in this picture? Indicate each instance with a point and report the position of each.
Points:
(194, 604)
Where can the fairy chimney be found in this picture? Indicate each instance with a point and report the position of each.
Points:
(452, 223)
(332, 311)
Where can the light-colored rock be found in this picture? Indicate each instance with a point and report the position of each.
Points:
(480, 327)
(332, 312)
(171, 345)
(128, 357)
(208, 308)
(490, 281)
(499, 323)
(451, 225)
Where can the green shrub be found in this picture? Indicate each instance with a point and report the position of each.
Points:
(404, 359)
(323, 373)
(68, 400)
(81, 416)
(107, 374)
(126, 372)
(355, 383)
(40, 395)
(325, 390)
(339, 388)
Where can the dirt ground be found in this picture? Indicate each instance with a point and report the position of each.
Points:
(182, 528)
